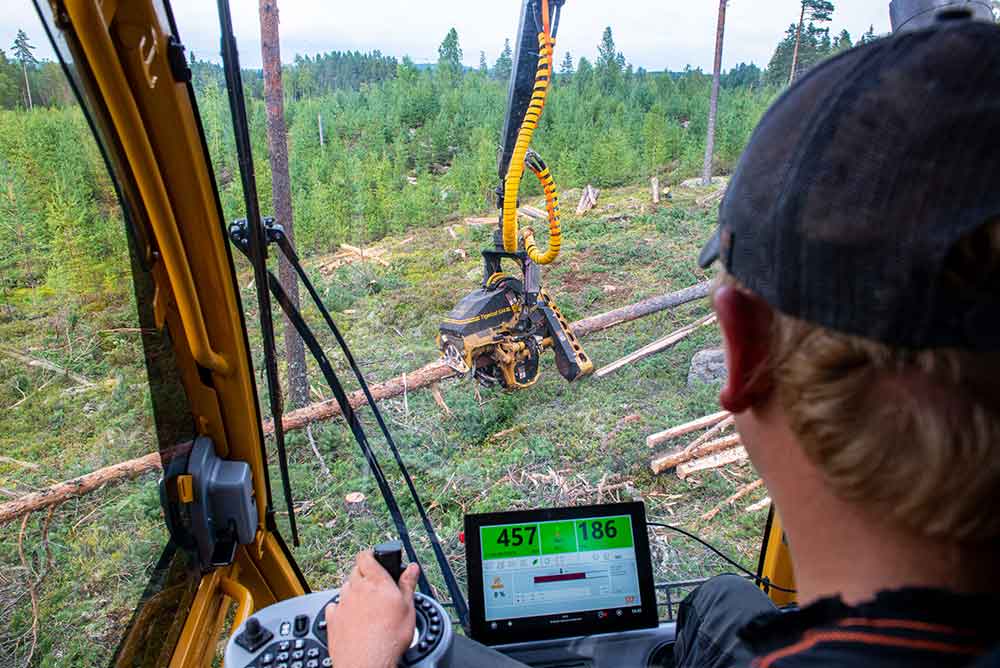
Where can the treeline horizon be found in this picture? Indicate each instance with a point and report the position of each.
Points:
(336, 70)
(401, 147)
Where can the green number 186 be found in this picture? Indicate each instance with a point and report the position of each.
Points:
(597, 529)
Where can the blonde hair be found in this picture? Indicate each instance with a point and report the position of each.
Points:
(912, 434)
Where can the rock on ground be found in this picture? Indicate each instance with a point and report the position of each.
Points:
(707, 366)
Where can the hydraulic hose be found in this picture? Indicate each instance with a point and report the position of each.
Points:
(515, 171)
(541, 171)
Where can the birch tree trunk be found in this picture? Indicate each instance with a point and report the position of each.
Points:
(281, 193)
(713, 105)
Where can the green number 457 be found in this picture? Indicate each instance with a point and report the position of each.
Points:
(517, 536)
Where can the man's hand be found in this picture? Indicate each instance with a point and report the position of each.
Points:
(373, 624)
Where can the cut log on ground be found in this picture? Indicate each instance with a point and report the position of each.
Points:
(366, 254)
(437, 371)
(675, 459)
(680, 430)
(64, 491)
(17, 462)
(480, 222)
(641, 309)
(760, 505)
(533, 213)
(712, 198)
(736, 496)
(711, 433)
(38, 363)
(424, 376)
(349, 255)
(656, 346)
(712, 462)
(588, 200)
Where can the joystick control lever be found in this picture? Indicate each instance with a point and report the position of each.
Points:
(293, 632)
(254, 635)
(390, 556)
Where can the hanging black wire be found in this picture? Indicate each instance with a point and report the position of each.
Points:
(732, 562)
(454, 591)
(256, 247)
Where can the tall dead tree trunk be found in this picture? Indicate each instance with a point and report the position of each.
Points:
(281, 192)
(27, 86)
(713, 105)
(798, 41)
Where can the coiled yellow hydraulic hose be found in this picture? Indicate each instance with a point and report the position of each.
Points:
(552, 205)
(515, 171)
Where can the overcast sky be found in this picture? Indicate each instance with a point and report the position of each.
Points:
(654, 34)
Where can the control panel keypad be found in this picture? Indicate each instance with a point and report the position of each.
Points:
(298, 653)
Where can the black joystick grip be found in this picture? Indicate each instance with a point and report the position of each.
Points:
(390, 556)
(254, 636)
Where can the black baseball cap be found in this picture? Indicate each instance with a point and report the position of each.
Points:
(859, 182)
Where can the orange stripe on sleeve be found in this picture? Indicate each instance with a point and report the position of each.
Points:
(905, 624)
(811, 639)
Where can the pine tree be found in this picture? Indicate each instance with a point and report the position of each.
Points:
(505, 63)
(450, 55)
(610, 63)
(566, 68)
(10, 89)
(281, 192)
(23, 53)
(818, 11)
(781, 60)
(606, 50)
(483, 67)
(842, 42)
(869, 36)
(713, 104)
(584, 74)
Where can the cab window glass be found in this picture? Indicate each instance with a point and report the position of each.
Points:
(393, 155)
(86, 383)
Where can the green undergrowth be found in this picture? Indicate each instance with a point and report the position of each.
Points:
(553, 444)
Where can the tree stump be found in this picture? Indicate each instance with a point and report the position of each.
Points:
(356, 504)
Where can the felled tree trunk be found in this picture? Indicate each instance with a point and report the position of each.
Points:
(423, 377)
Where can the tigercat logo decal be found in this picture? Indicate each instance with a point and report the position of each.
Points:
(484, 316)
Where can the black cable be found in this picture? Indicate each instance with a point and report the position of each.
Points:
(732, 562)
(256, 246)
(454, 590)
(352, 421)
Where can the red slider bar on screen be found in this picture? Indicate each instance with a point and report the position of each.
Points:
(561, 577)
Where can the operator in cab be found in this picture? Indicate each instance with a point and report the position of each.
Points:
(859, 302)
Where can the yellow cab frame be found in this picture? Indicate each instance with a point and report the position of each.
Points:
(118, 54)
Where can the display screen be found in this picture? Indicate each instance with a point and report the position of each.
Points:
(559, 572)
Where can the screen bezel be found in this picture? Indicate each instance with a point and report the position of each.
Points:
(482, 633)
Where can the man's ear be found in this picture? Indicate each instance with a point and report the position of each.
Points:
(745, 320)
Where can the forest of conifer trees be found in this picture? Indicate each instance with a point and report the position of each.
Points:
(403, 145)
